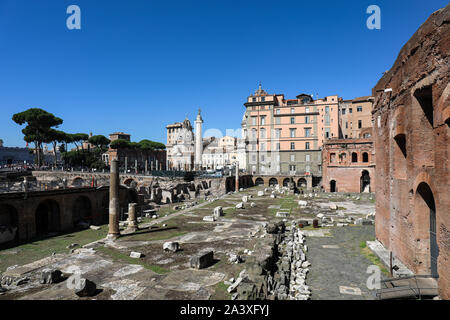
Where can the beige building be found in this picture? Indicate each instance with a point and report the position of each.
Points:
(180, 146)
(285, 136)
(356, 117)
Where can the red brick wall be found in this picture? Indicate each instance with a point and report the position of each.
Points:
(342, 169)
(412, 148)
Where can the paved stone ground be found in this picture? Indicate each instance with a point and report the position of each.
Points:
(343, 265)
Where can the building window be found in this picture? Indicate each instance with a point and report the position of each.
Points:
(307, 110)
(292, 120)
(359, 109)
(263, 146)
(253, 158)
(327, 120)
(307, 119)
(350, 110)
(253, 121)
(278, 146)
(263, 99)
(263, 120)
(354, 157)
(365, 157)
(308, 169)
(307, 132)
(307, 145)
(327, 110)
(277, 111)
(292, 133)
(292, 145)
(327, 132)
(292, 157)
(332, 157)
(262, 158)
(277, 133)
(343, 111)
(254, 134)
(346, 125)
(308, 158)
(359, 124)
(292, 110)
(291, 167)
(277, 120)
(263, 133)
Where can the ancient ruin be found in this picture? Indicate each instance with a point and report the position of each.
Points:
(411, 130)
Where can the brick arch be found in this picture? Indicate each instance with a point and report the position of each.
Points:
(259, 181)
(77, 178)
(272, 180)
(423, 176)
(9, 218)
(129, 181)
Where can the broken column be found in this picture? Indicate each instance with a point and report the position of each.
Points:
(132, 219)
(237, 177)
(114, 231)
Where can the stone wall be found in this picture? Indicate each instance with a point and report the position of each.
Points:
(411, 129)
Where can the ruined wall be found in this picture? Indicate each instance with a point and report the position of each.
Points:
(411, 129)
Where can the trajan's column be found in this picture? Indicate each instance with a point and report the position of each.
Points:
(198, 141)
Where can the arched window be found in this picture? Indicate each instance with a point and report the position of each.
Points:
(365, 157)
(354, 157)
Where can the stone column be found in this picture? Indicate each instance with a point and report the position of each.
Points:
(156, 164)
(126, 164)
(132, 219)
(146, 166)
(136, 166)
(114, 181)
(237, 177)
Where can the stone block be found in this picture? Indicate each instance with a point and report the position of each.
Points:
(202, 260)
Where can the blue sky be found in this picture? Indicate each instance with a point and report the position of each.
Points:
(136, 65)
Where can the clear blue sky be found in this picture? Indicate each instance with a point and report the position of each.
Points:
(136, 65)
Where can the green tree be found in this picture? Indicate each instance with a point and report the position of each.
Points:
(54, 137)
(79, 138)
(120, 144)
(37, 129)
(99, 141)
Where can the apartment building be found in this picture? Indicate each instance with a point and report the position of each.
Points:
(285, 136)
(355, 117)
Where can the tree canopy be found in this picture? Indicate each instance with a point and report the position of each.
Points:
(38, 128)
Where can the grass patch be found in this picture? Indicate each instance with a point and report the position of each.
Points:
(41, 248)
(362, 244)
(374, 259)
(221, 292)
(118, 256)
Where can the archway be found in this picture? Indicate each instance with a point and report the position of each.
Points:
(365, 181)
(273, 182)
(333, 186)
(425, 209)
(47, 217)
(81, 211)
(129, 182)
(259, 182)
(8, 223)
(77, 182)
(302, 183)
(286, 182)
